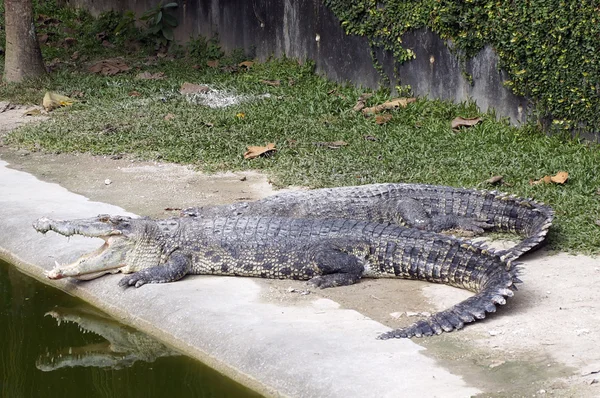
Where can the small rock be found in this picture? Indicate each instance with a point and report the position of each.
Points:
(107, 181)
(593, 381)
(243, 178)
(291, 290)
(304, 292)
(494, 332)
(581, 332)
(541, 392)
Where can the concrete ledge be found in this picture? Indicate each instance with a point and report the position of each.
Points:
(309, 350)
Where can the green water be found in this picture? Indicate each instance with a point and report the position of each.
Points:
(41, 358)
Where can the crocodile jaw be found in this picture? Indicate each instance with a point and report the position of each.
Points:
(108, 258)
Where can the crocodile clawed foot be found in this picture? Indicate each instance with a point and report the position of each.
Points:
(132, 280)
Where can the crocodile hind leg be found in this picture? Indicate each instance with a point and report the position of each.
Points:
(174, 269)
(410, 212)
(337, 267)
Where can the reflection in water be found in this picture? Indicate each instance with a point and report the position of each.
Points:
(123, 346)
(107, 360)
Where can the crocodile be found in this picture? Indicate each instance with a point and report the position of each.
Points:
(124, 346)
(326, 252)
(428, 207)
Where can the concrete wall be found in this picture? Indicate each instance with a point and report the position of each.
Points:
(306, 29)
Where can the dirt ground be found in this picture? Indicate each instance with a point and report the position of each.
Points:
(545, 341)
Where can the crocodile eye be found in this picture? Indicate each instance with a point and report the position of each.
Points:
(103, 217)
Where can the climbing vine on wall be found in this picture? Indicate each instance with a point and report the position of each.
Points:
(549, 48)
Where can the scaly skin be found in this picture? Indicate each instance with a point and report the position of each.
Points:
(326, 252)
(123, 347)
(426, 207)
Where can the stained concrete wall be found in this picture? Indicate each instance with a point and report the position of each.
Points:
(306, 29)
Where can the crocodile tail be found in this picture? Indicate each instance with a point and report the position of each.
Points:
(539, 221)
(500, 285)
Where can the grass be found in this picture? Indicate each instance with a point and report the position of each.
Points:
(417, 145)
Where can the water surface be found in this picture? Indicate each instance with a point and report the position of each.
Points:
(55, 345)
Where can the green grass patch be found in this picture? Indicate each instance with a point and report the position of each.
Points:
(417, 145)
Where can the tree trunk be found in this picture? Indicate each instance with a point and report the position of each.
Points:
(23, 58)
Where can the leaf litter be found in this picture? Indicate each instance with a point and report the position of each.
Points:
(256, 151)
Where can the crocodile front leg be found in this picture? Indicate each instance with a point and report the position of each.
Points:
(176, 267)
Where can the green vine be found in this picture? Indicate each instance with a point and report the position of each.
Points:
(549, 48)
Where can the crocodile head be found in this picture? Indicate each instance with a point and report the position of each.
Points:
(123, 346)
(130, 244)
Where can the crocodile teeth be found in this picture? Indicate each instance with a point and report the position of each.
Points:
(56, 264)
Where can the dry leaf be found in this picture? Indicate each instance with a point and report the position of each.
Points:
(109, 67)
(494, 180)
(134, 94)
(332, 144)
(169, 116)
(54, 100)
(208, 124)
(240, 115)
(190, 88)
(32, 112)
(274, 83)
(560, 178)
(370, 138)
(383, 119)
(464, 122)
(362, 100)
(213, 63)
(255, 151)
(246, 64)
(68, 42)
(150, 76)
(389, 105)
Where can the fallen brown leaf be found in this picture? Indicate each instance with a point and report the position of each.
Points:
(494, 180)
(240, 115)
(32, 112)
(383, 119)
(54, 100)
(150, 76)
(274, 83)
(464, 122)
(42, 39)
(361, 103)
(68, 42)
(560, 178)
(370, 138)
(389, 105)
(109, 67)
(255, 151)
(134, 94)
(213, 63)
(209, 124)
(169, 116)
(191, 88)
(246, 64)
